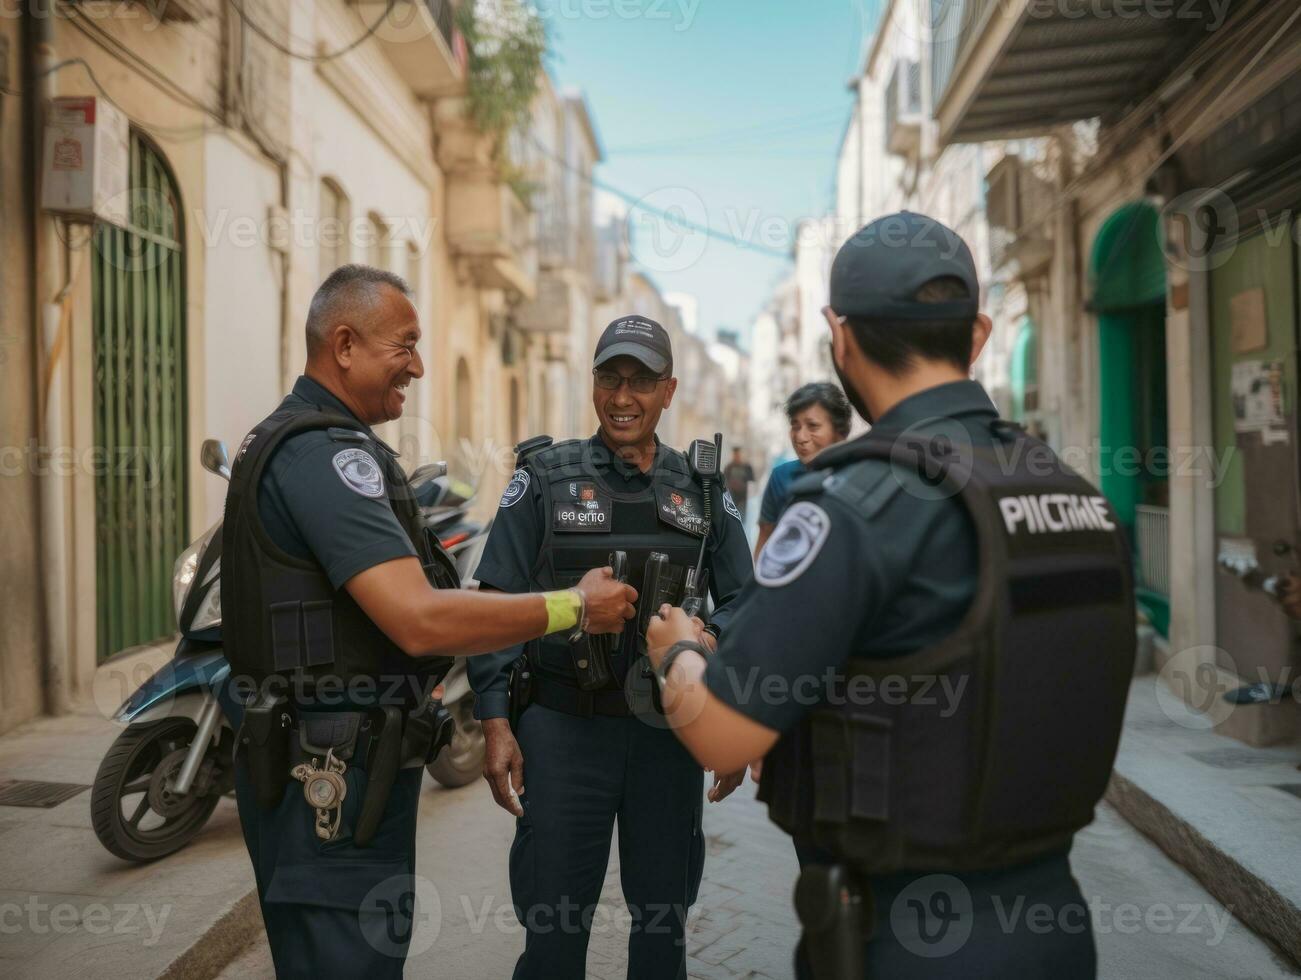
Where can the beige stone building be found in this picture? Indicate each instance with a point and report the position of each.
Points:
(258, 146)
(1147, 210)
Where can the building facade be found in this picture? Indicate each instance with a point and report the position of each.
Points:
(1146, 207)
(255, 148)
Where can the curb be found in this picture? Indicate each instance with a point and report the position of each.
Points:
(1248, 897)
(217, 946)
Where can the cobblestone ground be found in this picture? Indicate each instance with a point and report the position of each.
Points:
(743, 926)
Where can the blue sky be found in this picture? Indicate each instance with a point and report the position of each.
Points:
(725, 112)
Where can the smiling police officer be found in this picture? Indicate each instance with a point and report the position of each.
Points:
(942, 627)
(341, 614)
(593, 739)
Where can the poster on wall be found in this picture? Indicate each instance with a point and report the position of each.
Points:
(1258, 399)
(1247, 317)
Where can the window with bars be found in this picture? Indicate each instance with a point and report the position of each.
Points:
(139, 460)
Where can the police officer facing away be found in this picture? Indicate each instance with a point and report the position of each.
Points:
(934, 654)
(341, 613)
(586, 726)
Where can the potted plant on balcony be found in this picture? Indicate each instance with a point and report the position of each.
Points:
(506, 42)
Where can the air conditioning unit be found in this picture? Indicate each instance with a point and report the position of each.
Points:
(1003, 208)
(903, 109)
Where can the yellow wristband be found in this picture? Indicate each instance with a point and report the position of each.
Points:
(563, 609)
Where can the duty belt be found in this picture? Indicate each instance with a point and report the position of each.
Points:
(568, 699)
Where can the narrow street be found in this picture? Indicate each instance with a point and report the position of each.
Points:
(1151, 919)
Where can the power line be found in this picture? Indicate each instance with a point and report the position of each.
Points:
(280, 46)
(637, 201)
(754, 130)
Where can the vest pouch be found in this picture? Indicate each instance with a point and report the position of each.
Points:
(851, 767)
(302, 634)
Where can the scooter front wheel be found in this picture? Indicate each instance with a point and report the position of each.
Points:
(135, 814)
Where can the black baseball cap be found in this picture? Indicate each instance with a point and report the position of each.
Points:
(638, 337)
(878, 271)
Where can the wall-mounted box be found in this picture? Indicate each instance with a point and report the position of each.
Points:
(87, 152)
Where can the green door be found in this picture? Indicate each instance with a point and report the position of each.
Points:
(138, 283)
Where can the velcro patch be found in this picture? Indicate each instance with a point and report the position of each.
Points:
(799, 536)
(680, 509)
(359, 472)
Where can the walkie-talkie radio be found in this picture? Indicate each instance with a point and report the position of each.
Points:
(704, 457)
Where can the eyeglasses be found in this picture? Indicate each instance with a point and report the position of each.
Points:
(642, 384)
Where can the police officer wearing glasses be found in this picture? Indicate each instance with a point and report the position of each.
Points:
(943, 622)
(577, 720)
(341, 614)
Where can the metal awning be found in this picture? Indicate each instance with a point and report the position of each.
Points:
(1009, 68)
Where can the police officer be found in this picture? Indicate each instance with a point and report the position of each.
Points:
(591, 741)
(941, 631)
(340, 616)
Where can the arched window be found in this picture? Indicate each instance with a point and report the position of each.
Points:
(377, 243)
(332, 233)
(139, 341)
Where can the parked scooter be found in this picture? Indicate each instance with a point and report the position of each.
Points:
(163, 776)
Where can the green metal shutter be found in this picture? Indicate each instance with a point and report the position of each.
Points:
(138, 285)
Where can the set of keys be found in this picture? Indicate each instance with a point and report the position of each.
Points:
(324, 790)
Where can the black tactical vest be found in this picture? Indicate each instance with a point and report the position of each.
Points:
(281, 616)
(889, 775)
(586, 520)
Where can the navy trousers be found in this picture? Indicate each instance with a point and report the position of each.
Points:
(1028, 922)
(333, 909)
(582, 776)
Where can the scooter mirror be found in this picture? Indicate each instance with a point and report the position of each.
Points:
(427, 473)
(213, 458)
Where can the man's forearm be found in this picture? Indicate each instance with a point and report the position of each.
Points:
(462, 622)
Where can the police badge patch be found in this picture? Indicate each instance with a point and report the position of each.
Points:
(729, 505)
(515, 489)
(796, 541)
(359, 472)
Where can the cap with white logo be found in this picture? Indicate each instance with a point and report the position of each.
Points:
(637, 337)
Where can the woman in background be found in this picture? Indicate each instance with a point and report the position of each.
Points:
(819, 414)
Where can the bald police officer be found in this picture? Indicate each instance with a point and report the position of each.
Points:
(592, 746)
(340, 616)
(934, 654)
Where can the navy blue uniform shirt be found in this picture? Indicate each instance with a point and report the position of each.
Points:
(309, 508)
(890, 574)
(516, 537)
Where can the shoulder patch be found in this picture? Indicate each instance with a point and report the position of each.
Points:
(799, 536)
(729, 505)
(359, 472)
(519, 483)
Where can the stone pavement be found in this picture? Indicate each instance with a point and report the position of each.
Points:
(68, 908)
(1153, 921)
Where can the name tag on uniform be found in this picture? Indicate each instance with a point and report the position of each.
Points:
(582, 508)
(681, 509)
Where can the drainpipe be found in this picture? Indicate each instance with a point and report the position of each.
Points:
(49, 292)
